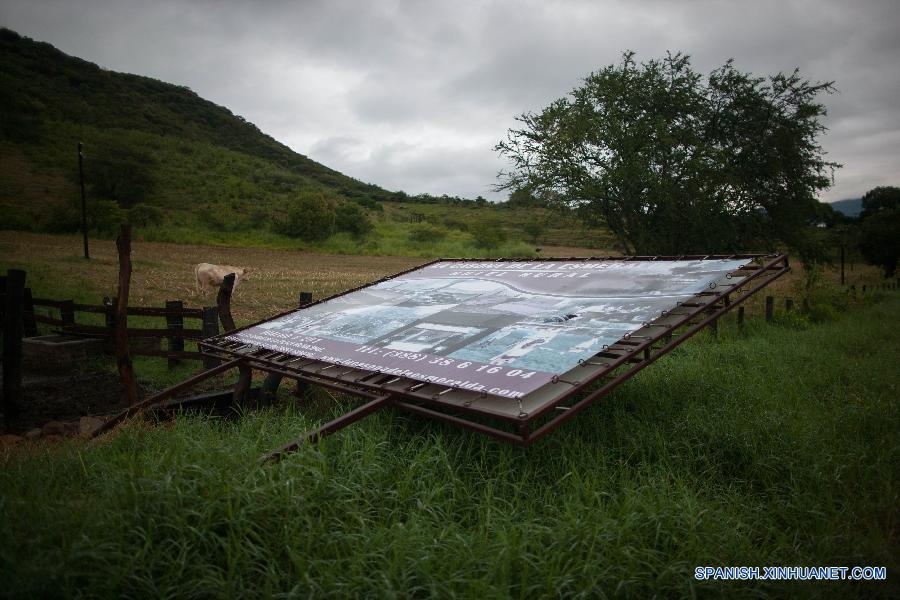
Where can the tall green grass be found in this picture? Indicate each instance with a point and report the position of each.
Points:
(772, 446)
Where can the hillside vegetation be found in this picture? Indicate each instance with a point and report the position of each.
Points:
(184, 169)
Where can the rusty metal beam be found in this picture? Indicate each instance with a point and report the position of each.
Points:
(315, 435)
(157, 398)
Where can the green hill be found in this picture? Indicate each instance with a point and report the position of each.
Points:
(182, 168)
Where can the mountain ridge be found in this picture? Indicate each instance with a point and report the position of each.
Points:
(41, 87)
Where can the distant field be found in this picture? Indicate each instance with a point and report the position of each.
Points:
(164, 271)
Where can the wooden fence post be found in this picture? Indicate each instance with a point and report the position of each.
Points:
(223, 302)
(242, 387)
(210, 328)
(67, 312)
(740, 316)
(109, 317)
(2, 300)
(770, 308)
(175, 323)
(123, 358)
(29, 323)
(12, 344)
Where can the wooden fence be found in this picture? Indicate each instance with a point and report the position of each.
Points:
(63, 316)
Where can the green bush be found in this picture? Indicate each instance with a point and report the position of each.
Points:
(144, 215)
(423, 233)
(353, 219)
(121, 172)
(488, 234)
(62, 217)
(310, 217)
(451, 223)
(823, 313)
(369, 204)
(534, 228)
(105, 217)
(13, 217)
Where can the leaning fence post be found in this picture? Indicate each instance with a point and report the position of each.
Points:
(123, 358)
(770, 308)
(223, 302)
(175, 324)
(210, 328)
(13, 325)
(29, 323)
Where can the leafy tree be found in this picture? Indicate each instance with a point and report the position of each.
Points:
(523, 198)
(676, 163)
(353, 219)
(534, 228)
(880, 198)
(144, 215)
(424, 233)
(880, 228)
(310, 217)
(488, 234)
(120, 172)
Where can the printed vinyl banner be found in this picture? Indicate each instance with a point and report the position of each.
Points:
(504, 328)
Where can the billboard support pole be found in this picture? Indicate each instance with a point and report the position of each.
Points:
(311, 437)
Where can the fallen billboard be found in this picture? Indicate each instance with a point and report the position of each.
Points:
(501, 328)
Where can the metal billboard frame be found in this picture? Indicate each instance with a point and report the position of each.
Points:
(519, 421)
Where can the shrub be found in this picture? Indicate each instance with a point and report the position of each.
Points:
(823, 313)
(144, 215)
(120, 172)
(534, 228)
(488, 234)
(353, 219)
(104, 217)
(451, 223)
(369, 204)
(310, 217)
(423, 233)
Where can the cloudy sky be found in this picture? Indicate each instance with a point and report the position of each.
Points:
(414, 95)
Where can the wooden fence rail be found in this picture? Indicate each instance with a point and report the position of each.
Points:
(174, 313)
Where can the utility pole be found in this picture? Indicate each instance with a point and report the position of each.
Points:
(842, 262)
(84, 232)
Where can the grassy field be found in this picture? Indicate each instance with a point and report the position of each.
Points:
(776, 445)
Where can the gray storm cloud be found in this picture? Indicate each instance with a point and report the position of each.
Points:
(413, 95)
